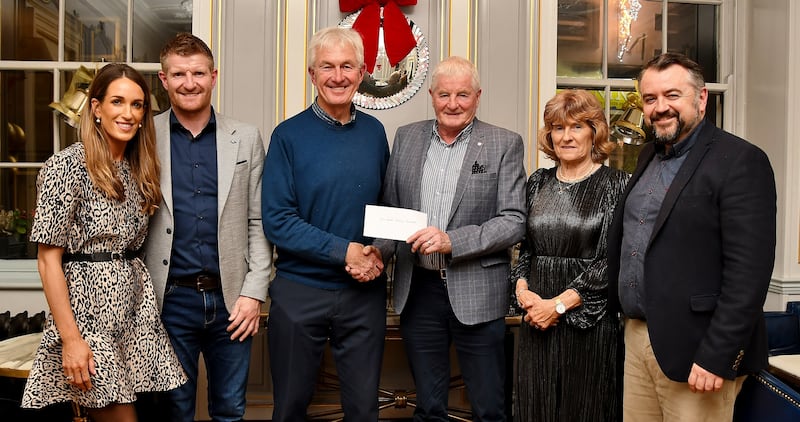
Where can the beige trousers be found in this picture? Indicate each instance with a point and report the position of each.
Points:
(649, 396)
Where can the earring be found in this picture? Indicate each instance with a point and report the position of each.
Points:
(97, 120)
(140, 125)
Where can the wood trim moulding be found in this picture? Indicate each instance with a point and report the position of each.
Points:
(784, 287)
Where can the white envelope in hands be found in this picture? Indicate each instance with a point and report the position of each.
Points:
(392, 223)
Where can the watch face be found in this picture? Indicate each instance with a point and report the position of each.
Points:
(560, 308)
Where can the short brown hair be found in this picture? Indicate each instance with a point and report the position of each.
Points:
(185, 44)
(665, 60)
(580, 106)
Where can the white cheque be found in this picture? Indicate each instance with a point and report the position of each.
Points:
(392, 223)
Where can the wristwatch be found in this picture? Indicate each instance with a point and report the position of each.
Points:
(560, 307)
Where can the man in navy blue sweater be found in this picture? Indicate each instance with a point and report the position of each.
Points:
(323, 166)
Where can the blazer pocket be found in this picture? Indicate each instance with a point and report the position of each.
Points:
(491, 260)
(483, 177)
(704, 303)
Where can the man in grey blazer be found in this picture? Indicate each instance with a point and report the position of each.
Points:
(206, 250)
(451, 278)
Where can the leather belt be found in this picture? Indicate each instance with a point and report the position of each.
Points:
(202, 282)
(440, 274)
(99, 256)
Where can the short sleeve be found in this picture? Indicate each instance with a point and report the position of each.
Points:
(58, 194)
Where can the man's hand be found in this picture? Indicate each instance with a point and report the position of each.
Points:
(363, 263)
(701, 380)
(244, 318)
(430, 240)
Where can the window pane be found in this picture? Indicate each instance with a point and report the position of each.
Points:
(95, 31)
(634, 36)
(153, 24)
(29, 30)
(714, 108)
(693, 32)
(68, 134)
(160, 99)
(26, 121)
(17, 201)
(580, 31)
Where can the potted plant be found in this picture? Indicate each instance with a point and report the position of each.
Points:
(14, 226)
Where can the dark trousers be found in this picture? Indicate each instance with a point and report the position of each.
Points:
(429, 326)
(301, 321)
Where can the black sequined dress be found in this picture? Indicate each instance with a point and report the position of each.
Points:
(570, 372)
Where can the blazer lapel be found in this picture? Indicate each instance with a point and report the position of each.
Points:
(165, 154)
(477, 138)
(227, 151)
(698, 151)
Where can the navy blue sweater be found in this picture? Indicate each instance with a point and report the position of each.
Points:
(317, 179)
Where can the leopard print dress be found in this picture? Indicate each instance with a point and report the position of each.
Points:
(113, 301)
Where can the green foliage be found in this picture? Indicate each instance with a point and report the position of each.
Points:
(14, 222)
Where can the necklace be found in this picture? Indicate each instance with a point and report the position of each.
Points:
(565, 183)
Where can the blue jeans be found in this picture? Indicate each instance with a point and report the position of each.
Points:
(196, 322)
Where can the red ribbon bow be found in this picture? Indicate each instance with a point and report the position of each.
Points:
(397, 36)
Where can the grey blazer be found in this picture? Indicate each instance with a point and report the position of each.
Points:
(487, 216)
(245, 255)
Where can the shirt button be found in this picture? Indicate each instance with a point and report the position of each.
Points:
(169, 231)
(196, 165)
(633, 253)
(641, 221)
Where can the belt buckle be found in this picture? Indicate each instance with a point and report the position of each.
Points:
(117, 256)
(443, 274)
(200, 283)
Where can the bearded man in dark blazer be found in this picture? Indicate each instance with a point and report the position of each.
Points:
(691, 252)
(451, 278)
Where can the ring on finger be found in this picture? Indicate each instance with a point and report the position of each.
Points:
(69, 377)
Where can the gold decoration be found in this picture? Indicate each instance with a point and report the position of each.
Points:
(74, 100)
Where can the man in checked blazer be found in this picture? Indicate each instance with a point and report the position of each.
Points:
(451, 278)
(690, 255)
(206, 250)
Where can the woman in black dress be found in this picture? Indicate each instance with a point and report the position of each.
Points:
(568, 358)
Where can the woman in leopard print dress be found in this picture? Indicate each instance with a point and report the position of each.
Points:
(104, 340)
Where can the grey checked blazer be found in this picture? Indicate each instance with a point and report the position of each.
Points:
(245, 255)
(486, 219)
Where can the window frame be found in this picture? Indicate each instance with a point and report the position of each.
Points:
(22, 274)
(726, 88)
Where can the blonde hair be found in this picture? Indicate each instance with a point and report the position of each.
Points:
(140, 151)
(576, 105)
(456, 66)
(335, 36)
